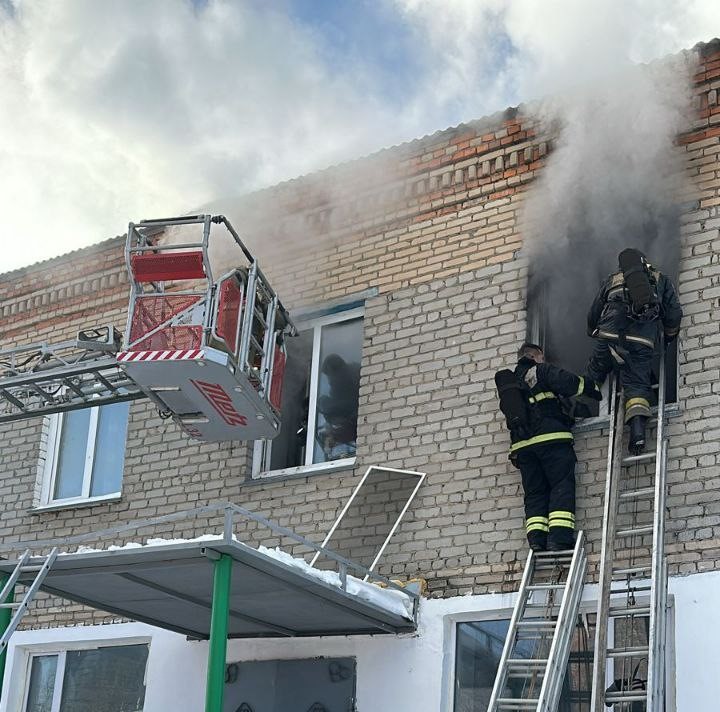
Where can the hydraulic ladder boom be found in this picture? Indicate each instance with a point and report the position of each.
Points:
(41, 379)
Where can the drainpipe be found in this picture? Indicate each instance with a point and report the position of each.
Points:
(218, 634)
(5, 618)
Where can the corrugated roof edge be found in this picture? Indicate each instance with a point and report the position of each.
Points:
(41, 264)
(702, 48)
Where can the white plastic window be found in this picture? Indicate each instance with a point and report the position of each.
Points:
(104, 679)
(85, 454)
(320, 398)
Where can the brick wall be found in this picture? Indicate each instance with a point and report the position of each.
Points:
(435, 227)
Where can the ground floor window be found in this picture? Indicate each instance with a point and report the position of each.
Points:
(319, 685)
(103, 679)
(479, 645)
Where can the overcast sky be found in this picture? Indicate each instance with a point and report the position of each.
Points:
(112, 110)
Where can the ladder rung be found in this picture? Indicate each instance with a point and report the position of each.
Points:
(636, 494)
(616, 697)
(629, 611)
(516, 704)
(257, 346)
(563, 554)
(527, 662)
(629, 589)
(11, 605)
(544, 586)
(260, 317)
(637, 531)
(537, 623)
(32, 568)
(635, 459)
(632, 570)
(627, 652)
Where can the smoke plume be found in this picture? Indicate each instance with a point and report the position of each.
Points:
(614, 180)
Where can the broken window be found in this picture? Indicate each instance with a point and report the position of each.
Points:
(104, 679)
(85, 454)
(561, 288)
(320, 396)
(320, 685)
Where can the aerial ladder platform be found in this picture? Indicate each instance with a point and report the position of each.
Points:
(209, 352)
(629, 658)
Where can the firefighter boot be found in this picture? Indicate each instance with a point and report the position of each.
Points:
(637, 434)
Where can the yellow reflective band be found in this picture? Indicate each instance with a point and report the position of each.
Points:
(536, 520)
(536, 528)
(641, 340)
(544, 438)
(562, 523)
(638, 400)
(541, 396)
(581, 387)
(561, 513)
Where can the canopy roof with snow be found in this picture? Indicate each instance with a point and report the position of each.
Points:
(170, 585)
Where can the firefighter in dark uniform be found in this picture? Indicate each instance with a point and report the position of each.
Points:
(626, 318)
(542, 443)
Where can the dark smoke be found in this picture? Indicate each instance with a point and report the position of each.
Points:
(614, 180)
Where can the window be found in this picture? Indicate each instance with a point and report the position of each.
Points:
(478, 648)
(320, 397)
(557, 321)
(318, 685)
(85, 454)
(479, 645)
(106, 679)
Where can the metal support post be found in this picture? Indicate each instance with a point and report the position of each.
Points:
(218, 634)
(5, 618)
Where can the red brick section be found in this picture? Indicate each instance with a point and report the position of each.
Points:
(706, 90)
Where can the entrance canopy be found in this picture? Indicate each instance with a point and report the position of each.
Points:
(272, 594)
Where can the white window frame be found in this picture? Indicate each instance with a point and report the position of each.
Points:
(61, 652)
(262, 448)
(587, 606)
(52, 459)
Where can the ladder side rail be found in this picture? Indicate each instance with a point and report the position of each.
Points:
(501, 675)
(27, 598)
(67, 406)
(567, 615)
(248, 317)
(268, 359)
(614, 464)
(61, 371)
(14, 576)
(658, 583)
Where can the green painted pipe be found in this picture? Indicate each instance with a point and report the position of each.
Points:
(218, 635)
(5, 618)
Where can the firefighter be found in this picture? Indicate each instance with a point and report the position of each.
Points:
(531, 398)
(626, 318)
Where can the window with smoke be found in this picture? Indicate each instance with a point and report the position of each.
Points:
(615, 179)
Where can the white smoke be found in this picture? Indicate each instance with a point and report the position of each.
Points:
(128, 109)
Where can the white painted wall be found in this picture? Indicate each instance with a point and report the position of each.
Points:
(393, 672)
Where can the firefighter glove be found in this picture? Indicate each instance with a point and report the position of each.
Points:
(591, 390)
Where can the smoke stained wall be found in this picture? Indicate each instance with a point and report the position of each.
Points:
(614, 180)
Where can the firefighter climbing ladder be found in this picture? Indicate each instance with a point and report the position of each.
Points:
(20, 608)
(532, 666)
(630, 566)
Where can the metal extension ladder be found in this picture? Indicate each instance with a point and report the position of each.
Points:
(21, 607)
(534, 659)
(631, 564)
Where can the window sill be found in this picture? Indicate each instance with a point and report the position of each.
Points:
(345, 463)
(75, 503)
(603, 421)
